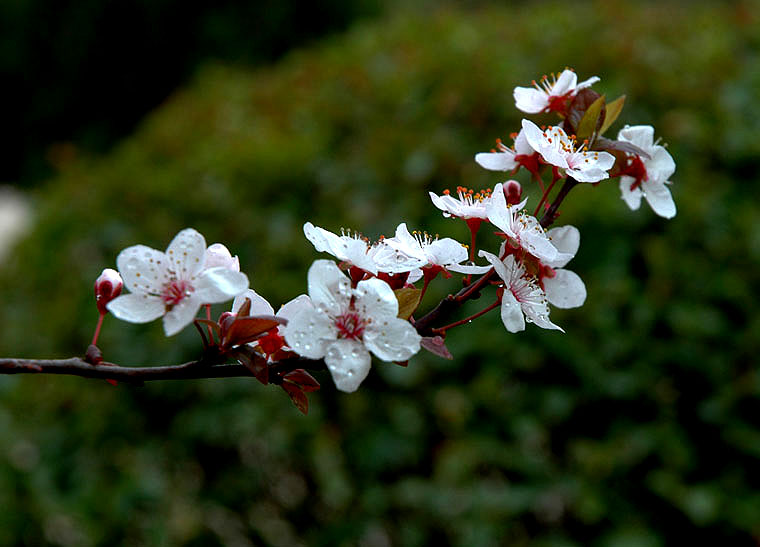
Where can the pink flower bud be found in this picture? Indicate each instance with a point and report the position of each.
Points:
(512, 191)
(217, 255)
(107, 287)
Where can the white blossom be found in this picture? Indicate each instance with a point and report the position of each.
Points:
(344, 324)
(446, 253)
(556, 148)
(551, 93)
(218, 256)
(173, 284)
(523, 298)
(468, 204)
(357, 250)
(652, 183)
(522, 229)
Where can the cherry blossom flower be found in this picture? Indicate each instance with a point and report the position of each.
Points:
(507, 159)
(217, 255)
(343, 325)
(556, 148)
(357, 250)
(522, 230)
(647, 178)
(550, 95)
(174, 284)
(107, 287)
(469, 205)
(523, 299)
(564, 288)
(447, 254)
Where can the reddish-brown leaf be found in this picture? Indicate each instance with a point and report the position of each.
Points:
(303, 379)
(297, 396)
(437, 346)
(246, 329)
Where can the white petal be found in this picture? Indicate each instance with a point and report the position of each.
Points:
(294, 307)
(522, 146)
(537, 244)
(659, 199)
(498, 265)
(497, 161)
(538, 314)
(310, 332)
(638, 135)
(348, 362)
(567, 240)
(414, 276)
(219, 285)
(565, 289)
(587, 83)
(143, 269)
(375, 300)
(468, 269)
(322, 240)
(566, 82)
(405, 242)
(136, 307)
(511, 313)
(530, 99)
(498, 213)
(329, 288)
(186, 253)
(632, 198)
(552, 152)
(217, 255)
(446, 203)
(181, 315)
(392, 339)
(661, 166)
(445, 252)
(259, 304)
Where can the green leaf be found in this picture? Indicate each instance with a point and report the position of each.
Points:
(613, 111)
(590, 120)
(408, 300)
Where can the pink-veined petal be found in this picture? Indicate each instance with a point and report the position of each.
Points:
(219, 285)
(565, 290)
(392, 339)
(136, 307)
(659, 199)
(348, 362)
(329, 288)
(181, 315)
(143, 269)
(259, 304)
(511, 313)
(186, 253)
(309, 332)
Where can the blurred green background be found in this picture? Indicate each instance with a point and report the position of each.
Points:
(639, 427)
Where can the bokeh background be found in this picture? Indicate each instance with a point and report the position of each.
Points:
(639, 427)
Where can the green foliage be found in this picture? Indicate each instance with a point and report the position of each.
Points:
(639, 427)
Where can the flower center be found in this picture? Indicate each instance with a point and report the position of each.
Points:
(350, 325)
(175, 291)
(637, 170)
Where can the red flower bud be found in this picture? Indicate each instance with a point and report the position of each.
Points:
(512, 191)
(107, 287)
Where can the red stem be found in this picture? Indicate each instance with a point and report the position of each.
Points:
(442, 330)
(97, 329)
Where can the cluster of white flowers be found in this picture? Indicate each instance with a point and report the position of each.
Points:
(353, 306)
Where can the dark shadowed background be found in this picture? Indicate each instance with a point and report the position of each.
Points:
(639, 427)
